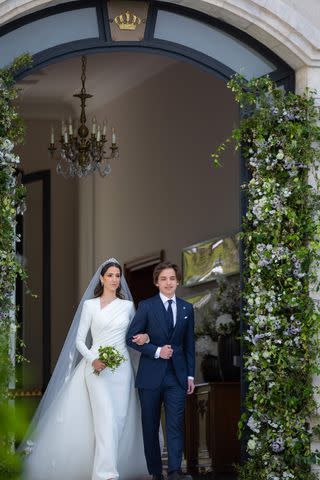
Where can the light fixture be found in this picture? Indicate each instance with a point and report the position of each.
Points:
(80, 152)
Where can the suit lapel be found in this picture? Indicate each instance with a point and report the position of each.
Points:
(159, 312)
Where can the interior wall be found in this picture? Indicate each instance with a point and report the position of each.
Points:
(163, 191)
(34, 157)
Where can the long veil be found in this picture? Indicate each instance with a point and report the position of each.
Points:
(68, 359)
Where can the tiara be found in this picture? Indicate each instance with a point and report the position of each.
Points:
(111, 260)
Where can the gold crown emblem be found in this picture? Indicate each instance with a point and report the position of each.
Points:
(127, 21)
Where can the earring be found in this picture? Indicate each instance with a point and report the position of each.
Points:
(101, 282)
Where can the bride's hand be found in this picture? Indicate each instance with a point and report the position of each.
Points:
(141, 338)
(98, 365)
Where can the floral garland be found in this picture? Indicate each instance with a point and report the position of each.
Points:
(11, 200)
(278, 135)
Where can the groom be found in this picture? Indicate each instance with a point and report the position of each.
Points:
(166, 368)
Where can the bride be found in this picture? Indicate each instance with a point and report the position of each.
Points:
(88, 426)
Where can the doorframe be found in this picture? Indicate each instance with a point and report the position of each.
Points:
(43, 176)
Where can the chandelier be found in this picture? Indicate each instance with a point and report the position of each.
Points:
(81, 153)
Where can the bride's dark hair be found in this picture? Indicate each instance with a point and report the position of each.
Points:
(98, 291)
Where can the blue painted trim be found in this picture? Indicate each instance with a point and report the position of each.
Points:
(91, 46)
(103, 22)
(244, 178)
(151, 22)
(106, 20)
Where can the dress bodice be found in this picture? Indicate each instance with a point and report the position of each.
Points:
(108, 325)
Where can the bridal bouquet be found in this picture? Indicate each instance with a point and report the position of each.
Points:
(111, 357)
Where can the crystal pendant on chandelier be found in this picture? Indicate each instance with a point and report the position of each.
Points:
(82, 153)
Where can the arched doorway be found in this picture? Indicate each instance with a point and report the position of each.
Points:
(179, 33)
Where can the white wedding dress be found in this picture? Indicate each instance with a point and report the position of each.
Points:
(93, 431)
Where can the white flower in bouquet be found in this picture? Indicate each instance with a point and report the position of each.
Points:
(224, 323)
(206, 346)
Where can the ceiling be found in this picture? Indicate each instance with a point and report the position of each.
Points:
(48, 93)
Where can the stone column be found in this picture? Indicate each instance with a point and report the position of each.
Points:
(310, 77)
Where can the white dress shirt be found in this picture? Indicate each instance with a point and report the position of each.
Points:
(165, 301)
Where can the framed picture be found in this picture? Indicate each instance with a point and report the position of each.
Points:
(204, 261)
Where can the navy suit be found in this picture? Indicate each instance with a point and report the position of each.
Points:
(163, 381)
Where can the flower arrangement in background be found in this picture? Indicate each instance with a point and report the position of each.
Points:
(219, 312)
(279, 137)
(218, 329)
(205, 345)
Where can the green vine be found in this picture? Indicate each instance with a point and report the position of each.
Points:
(278, 136)
(11, 201)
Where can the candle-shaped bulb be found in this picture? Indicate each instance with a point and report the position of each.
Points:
(70, 126)
(65, 136)
(113, 135)
(63, 128)
(52, 136)
(98, 134)
(94, 125)
(104, 129)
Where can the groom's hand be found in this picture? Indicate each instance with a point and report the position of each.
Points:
(191, 386)
(166, 352)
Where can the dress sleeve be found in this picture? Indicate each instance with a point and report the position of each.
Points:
(132, 311)
(84, 326)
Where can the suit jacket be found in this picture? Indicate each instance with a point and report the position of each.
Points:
(151, 318)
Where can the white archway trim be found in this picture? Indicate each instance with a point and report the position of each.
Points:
(11, 9)
(275, 24)
(282, 28)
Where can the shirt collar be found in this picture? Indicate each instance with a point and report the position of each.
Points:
(165, 299)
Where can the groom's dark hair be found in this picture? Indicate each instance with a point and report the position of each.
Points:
(162, 266)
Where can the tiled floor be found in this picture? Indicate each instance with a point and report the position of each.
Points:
(211, 476)
(208, 476)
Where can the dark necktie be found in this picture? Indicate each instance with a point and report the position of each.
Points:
(170, 316)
